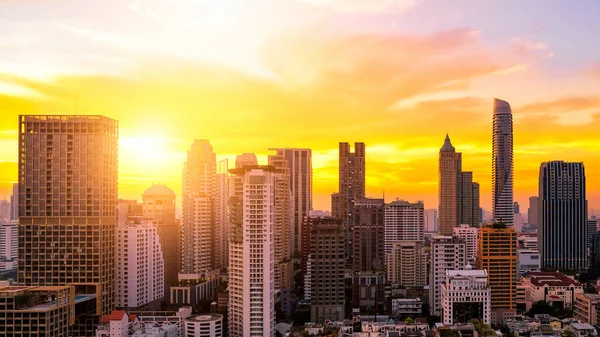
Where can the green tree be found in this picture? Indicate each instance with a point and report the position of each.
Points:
(409, 320)
(567, 333)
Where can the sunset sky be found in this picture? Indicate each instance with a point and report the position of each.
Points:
(253, 74)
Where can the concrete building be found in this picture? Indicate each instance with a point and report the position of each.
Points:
(4, 210)
(468, 234)
(121, 323)
(466, 295)
(252, 281)
(584, 308)
(532, 211)
(204, 325)
(193, 288)
(326, 269)
(159, 207)
(502, 163)
(67, 198)
(9, 241)
(592, 228)
(407, 264)
(527, 241)
(562, 232)
(37, 311)
(447, 253)
(299, 162)
(139, 266)
(403, 221)
(550, 287)
(368, 289)
(312, 217)
(14, 203)
(529, 260)
(407, 307)
(497, 253)
(128, 210)
(351, 181)
(595, 252)
(222, 215)
(368, 235)
(431, 220)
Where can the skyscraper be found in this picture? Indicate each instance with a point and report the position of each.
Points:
(68, 194)
(447, 253)
(403, 221)
(497, 253)
(299, 162)
(14, 203)
(199, 185)
(458, 194)
(407, 264)
(469, 235)
(368, 235)
(502, 163)
(562, 231)
(222, 215)
(532, 211)
(159, 206)
(351, 179)
(431, 220)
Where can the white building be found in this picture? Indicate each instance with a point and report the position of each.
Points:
(550, 287)
(469, 235)
(447, 253)
(407, 264)
(120, 323)
(9, 241)
(466, 295)
(431, 220)
(205, 325)
(529, 260)
(403, 221)
(527, 241)
(307, 280)
(139, 265)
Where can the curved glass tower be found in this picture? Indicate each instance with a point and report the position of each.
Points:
(502, 163)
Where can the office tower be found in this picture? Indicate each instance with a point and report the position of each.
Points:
(447, 253)
(251, 255)
(497, 253)
(139, 268)
(335, 205)
(562, 231)
(222, 215)
(595, 253)
(306, 231)
(407, 264)
(516, 208)
(327, 261)
(283, 231)
(159, 206)
(199, 184)
(67, 198)
(458, 194)
(532, 211)
(351, 180)
(14, 203)
(9, 240)
(591, 230)
(502, 163)
(403, 221)
(299, 162)
(431, 220)
(469, 235)
(4, 210)
(128, 210)
(466, 296)
(368, 235)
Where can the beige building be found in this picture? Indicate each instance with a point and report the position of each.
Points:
(68, 194)
(407, 264)
(585, 308)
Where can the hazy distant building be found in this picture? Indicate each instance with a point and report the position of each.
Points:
(497, 253)
(532, 211)
(159, 207)
(67, 198)
(14, 203)
(299, 162)
(516, 208)
(458, 194)
(403, 221)
(9, 245)
(368, 235)
(139, 268)
(351, 180)
(469, 235)
(128, 210)
(4, 210)
(222, 215)
(407, 264)
(431, 220)
(562, 232)
(595, 253)
(591, 230)
(447, 253)
(502, 163)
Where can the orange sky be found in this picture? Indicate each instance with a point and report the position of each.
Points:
(299, 74)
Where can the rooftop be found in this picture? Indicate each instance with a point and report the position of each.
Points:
(159, 190)
(552, 279)
(447, 147)
(472, 272)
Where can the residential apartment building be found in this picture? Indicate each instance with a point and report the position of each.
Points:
(447, 253)
(468, 234)
(368, 235)
(407, 264)
(403, 221)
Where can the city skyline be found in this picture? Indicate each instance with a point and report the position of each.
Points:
(461, 61)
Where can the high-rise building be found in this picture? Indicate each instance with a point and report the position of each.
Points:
(469, 235)
(128, 210)
(9, 245)
(67, 199)
(407, 264)
(466, 296)
(351, 180)
(532, 211)
(199, 185)
(458, 194)
(299, 162)
(447, 253)
(139, 266)
(595, 253)
(159, 206)
(516, 208)
(562, 231)
(368, 235)
(252, 281)
(431, 220)
(335, 205)
(14, 203)
(591, 230)
(497, 253)
(327, 262)
(4, 210)
(502, 163)
(403, 221)
(222, 216)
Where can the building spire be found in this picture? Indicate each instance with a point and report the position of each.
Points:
(447, 145)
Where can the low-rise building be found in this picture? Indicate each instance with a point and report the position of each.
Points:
(120, 323)
(585, 308)
(407, 307)
(194, 287)
(206, 325)
(529, 260)
(466, 295)
(582, 329)
(550, 287)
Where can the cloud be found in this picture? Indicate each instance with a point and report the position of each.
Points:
(361, 6)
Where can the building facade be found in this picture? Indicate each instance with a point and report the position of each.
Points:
(431, 220)
(469, 235)
(447, 253)
(502, 163)
(403, 221)
(466, 295)
(204, 325)
(9, 241)
(67, 198)
(562, 232)
(222, 216)
(368, 235)
(532, 211)
(14, 203)
(407, 264)
(351, 180)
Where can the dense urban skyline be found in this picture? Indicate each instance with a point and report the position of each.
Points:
(158, 85)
